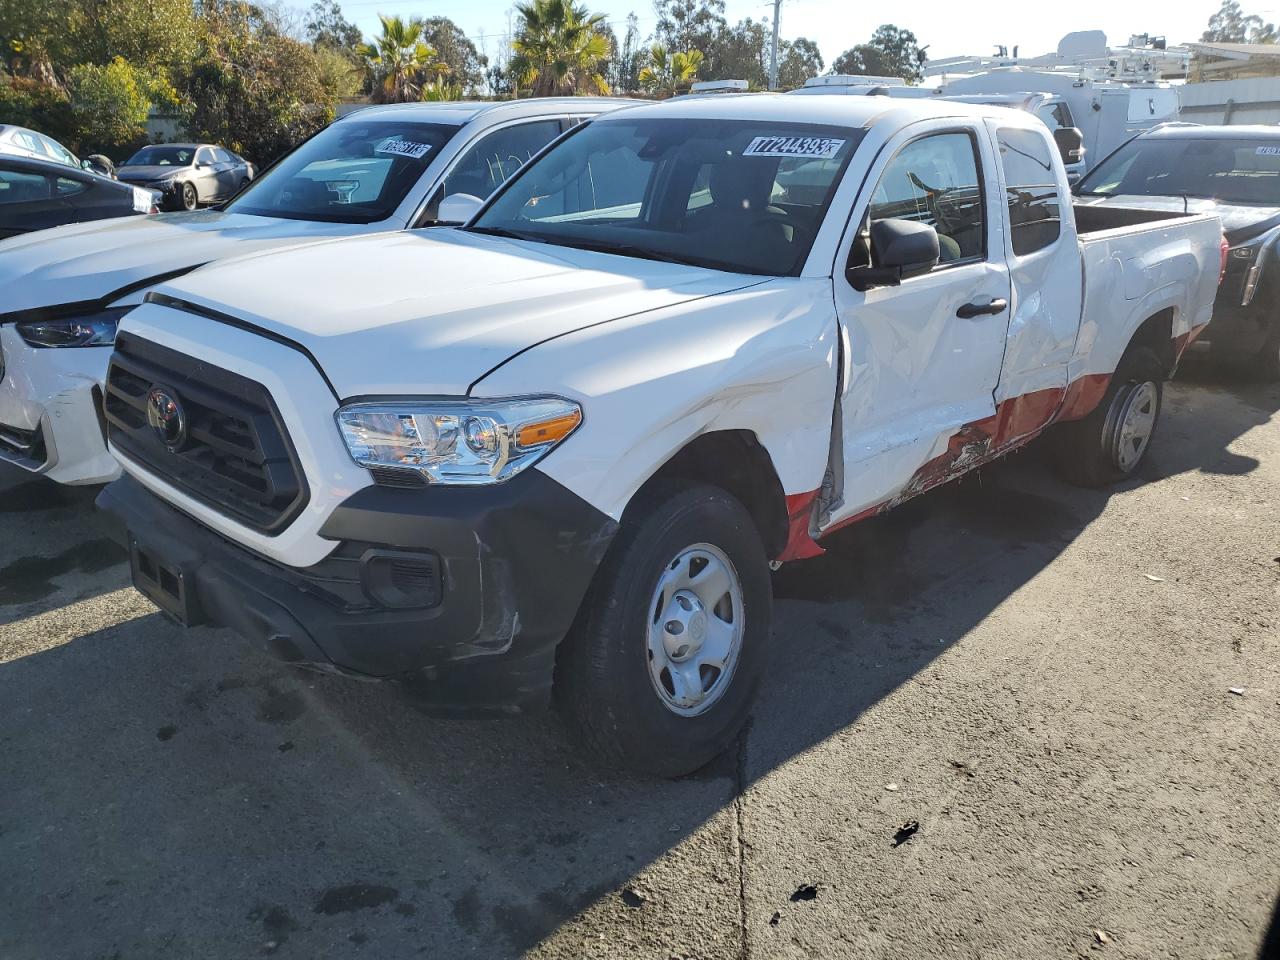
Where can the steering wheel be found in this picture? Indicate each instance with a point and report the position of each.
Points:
(933, 197)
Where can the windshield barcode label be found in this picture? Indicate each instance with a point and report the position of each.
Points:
(1269, 151)
(812, 148)
(403, 148)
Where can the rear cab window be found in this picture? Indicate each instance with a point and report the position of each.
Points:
(1031, 190)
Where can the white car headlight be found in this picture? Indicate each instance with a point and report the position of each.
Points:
(457, 441)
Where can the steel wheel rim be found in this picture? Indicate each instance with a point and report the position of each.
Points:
(695, 630)
(1135, 423)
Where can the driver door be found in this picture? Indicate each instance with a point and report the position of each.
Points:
(922, 359)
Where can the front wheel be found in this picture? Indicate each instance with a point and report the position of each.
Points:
(661, 668)
(1111, 442)
(188, 198)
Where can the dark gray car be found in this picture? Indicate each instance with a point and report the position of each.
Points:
(1233, 171)
(187, 175)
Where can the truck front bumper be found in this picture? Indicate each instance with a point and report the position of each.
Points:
(50, 410)
(465, 592)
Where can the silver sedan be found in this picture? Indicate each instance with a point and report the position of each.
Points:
(187, 174)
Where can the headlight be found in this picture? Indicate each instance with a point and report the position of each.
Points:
(457, 441)
(91, 330)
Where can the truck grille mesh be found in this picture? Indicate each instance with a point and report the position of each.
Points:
(235, 457)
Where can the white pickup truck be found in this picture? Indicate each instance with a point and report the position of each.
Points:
(63, 291)
(558, 450)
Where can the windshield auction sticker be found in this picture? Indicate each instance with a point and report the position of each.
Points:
(1269, 151)
(811, 148)
(394, 146)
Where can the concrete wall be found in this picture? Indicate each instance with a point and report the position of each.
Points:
(1255, 100)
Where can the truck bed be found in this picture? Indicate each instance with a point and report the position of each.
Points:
(1096, 219)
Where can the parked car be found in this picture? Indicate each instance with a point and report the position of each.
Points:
(1233, 172)
(565, 442)
(37, 194)
(18, 141)
(382, 168)
(187, 174)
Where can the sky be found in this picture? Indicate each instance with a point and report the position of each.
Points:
(837, 25)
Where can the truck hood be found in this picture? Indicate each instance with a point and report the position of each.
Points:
(431, 312)
(1239, 222)
(92, 261)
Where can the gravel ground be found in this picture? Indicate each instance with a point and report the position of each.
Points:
(1038, 678)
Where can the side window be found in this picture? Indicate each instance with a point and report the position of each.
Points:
(1055, 115)
(1031, 190)
(58, 151)
(29, 140)
(204, 155)
(486, 164)
(935, 180)
(17, 186)
(222, 156)
(69, 188)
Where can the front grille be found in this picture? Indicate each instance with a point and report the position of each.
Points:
(25, 447)
(236, 456)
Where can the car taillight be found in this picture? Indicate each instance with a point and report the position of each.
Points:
(155, 208)
(1223, 249)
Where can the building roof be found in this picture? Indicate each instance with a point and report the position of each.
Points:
(1237, 51)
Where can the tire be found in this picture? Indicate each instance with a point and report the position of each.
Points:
(188, 197)
(622, 698)
(1111, 443)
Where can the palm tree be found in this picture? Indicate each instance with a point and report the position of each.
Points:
(667, 73)
(558, 50)
(399, 57)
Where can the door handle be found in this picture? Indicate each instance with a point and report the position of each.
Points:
(988, 309)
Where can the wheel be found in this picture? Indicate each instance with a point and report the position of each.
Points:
(189, 198)
(1112, 441)
(1267, 363)
(661, 667)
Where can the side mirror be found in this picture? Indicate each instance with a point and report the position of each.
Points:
(902, 249)
(1070, 143)
(458, 208)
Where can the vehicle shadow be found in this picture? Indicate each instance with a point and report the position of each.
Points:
(179, 794)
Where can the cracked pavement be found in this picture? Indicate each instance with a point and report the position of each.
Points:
(1037, 676)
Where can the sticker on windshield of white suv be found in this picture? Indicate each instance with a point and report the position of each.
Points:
(396, 147)
(811, 148)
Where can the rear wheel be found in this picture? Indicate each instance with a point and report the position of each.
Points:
(1111, 442)
(661, 668)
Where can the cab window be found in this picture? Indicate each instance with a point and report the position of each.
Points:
(17, 186)
(490, 161)
(1031, 190)
(935, 180)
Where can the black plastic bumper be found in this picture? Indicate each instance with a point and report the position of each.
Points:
(495, 576)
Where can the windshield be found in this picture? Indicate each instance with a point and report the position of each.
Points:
(740, 195)
(350, 172)
(162, 156)
(1239, 171)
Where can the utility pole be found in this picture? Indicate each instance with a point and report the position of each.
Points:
(773, 50)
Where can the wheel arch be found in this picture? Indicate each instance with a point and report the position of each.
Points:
(737, 462)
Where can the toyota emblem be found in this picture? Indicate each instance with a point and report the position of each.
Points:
(167, 419)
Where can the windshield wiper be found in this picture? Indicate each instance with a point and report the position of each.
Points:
(502, 232)
(620, 248)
